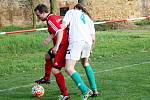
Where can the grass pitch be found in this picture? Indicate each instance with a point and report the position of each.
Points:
(120, 60)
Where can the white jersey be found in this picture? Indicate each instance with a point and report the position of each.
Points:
(80, 26)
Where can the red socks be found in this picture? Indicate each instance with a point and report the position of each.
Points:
(59, 78)
(48, 69)
(61, 84)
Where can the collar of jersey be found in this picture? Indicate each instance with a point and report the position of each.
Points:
(48, 15)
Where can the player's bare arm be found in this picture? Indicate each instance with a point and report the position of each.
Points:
(59, 39)
(47, 40)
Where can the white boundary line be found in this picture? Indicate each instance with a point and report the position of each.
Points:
(117, 68)
(107, 70)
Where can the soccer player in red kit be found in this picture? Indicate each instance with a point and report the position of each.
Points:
(55, 57)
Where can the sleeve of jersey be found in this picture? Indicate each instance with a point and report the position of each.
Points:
(53, 24)
(67, 17)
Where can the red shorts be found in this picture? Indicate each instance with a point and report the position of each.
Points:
(59, 59)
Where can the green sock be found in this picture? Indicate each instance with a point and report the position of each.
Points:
(90, 76)
(79, 82)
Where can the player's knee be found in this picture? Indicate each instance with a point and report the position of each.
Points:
(69, 70)
(55, 71)
(86, 64)
(47, 57)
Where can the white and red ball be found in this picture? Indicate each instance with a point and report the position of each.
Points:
(37, 90)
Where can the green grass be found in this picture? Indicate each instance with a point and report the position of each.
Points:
(143, 22)
(120, 59)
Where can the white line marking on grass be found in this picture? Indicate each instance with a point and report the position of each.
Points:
(13, 88)
(107, 70)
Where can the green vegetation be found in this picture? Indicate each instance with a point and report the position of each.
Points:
(16, 28)
(10, 28)
(121, 25)
(143, 22)
(120, 60)
(104, 27)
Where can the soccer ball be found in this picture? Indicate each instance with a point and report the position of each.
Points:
(37, 90)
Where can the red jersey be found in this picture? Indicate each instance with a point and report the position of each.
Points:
(53, 23)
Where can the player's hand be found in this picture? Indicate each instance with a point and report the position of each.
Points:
(46, 41)
(54, 50)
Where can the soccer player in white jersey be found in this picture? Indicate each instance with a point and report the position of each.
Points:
(81, 38)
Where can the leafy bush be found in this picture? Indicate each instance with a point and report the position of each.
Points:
(10, 28)
(106, 26)
(143, 22)
(16, 28)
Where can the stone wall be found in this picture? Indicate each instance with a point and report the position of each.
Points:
(18, 12)
(118, 9)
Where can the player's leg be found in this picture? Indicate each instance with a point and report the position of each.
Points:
(86, 92)
(88, 68)
(58, 63)
(72, 55)
(61, 83)
(75, 75)
(48, 69)
(90, 76)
